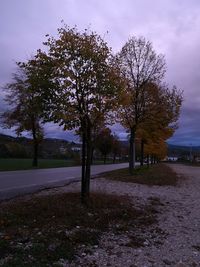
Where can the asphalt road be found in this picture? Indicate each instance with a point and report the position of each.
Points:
(14, 183)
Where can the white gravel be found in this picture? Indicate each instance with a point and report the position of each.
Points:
(177, 241)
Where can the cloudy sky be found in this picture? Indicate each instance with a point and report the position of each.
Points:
(173, 26)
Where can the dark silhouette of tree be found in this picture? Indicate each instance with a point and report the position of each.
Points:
(116, 147)
(104, 142)
(25, 112)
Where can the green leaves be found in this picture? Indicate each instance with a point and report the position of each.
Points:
(85, 77)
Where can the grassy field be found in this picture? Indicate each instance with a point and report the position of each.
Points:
(11, 164)
(159, 174)
(25, 164)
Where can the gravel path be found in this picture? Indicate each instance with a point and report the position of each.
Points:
(175, 241)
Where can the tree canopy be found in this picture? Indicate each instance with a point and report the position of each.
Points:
(86, 84)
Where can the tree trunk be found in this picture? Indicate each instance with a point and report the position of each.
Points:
(114, 158)
(83, 179)
(151, 159)
(88, 160)
(92, 154)
(148, 160)
(35, 145)
(35, 153)
(132, 152)
(142, 153)
(104, 159)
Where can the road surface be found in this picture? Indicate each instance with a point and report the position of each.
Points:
(14, 183)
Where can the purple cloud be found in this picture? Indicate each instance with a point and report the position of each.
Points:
(172, 26)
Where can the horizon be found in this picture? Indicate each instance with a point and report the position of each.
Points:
(78, 142)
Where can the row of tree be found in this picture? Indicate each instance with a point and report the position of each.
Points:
(78, 83)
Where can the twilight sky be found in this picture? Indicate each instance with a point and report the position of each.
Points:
(173, 26)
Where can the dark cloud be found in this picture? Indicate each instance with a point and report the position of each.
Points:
(172, 26)
(189, 127)
(55, 131)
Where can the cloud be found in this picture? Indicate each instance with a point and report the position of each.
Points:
(189, 128)
(55, 131)
(171, 25)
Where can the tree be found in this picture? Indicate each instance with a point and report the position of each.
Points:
(161, 116)
(104, 142)
(86, 83)
(25, 113)
(116, 147)
(139, 65)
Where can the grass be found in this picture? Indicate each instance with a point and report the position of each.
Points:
(43, 230)
(159, 174)
(12, 164)
(101, 162)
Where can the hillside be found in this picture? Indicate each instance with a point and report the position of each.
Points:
(59, 148)
(174, 150)
(22, 147)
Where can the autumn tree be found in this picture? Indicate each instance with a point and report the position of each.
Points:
(162, 112)
(97, 128)
(104, 142)
(86, 83)
(139, 65)
(116, 147)
(25, 112)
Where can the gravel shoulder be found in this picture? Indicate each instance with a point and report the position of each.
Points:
(174, 241)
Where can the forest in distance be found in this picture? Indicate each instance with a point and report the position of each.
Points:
(53, 148)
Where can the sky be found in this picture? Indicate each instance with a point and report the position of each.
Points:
(171, 25)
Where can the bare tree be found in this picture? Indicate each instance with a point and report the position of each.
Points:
(139, 65)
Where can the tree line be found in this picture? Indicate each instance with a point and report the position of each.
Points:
(80, 84)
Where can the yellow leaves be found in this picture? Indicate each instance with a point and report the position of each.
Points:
(158, 149)
(125, 98)
(2, 222)
(7, 237)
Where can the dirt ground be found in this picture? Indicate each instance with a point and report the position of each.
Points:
(174, 241)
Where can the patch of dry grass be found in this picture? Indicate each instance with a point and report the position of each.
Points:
(159, 174)
(40, 231)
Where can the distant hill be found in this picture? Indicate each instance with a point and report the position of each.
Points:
(59, 148)
(173, 150)
(49, 148)
(179, 151)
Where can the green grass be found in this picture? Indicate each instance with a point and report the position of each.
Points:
(12, 164)
(42, 230)
(26, 164)
(159, 174)
(101, 162)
